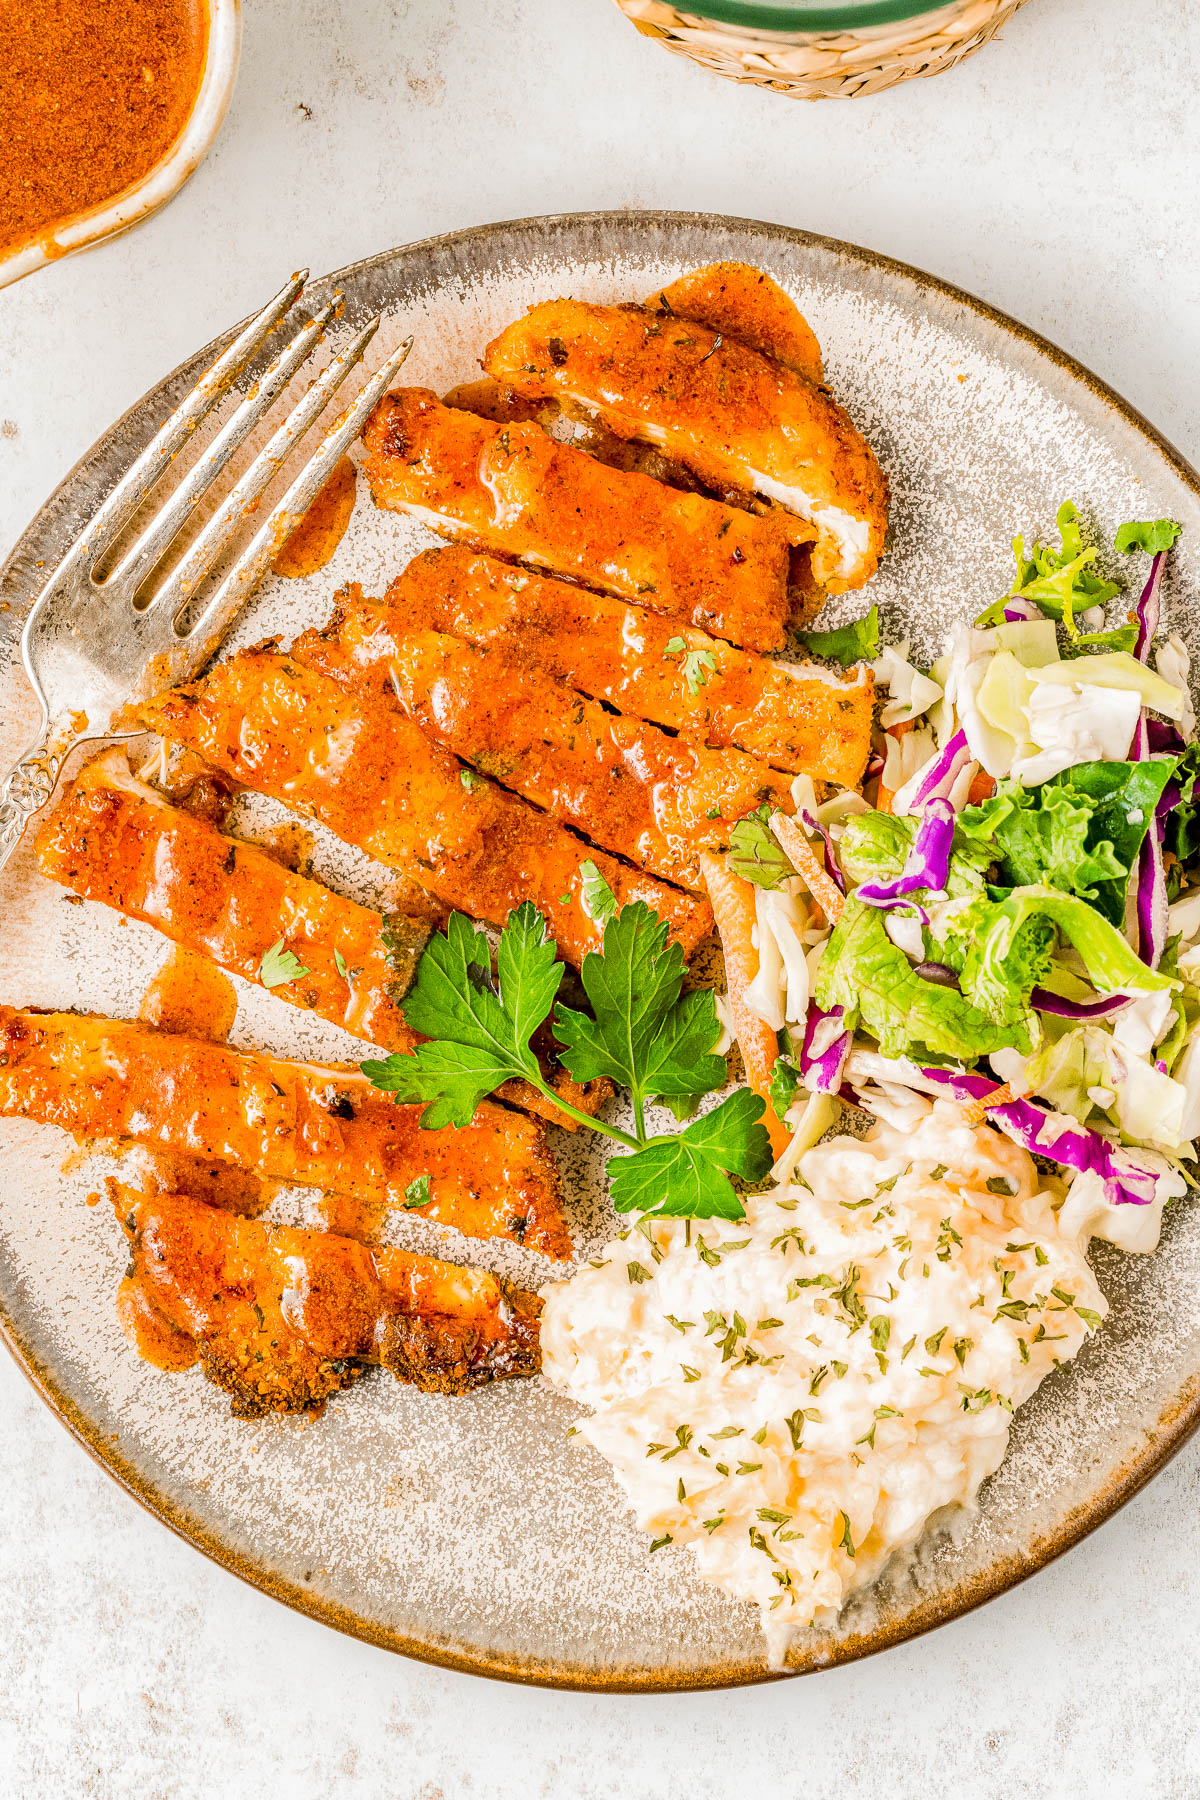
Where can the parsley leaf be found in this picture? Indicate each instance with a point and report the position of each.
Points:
(481, 1029)
(785, 1079)
(698, 665)
(416, 1193)
(688, 1175)
(845, 644)
(339, 963)
(756, 854)
(1150, 535)
(644, 1036)
(279, 964)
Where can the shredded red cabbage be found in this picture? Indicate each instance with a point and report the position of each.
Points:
(1078, 1009)
(825, 1049)
(1126, 1182)
(1150, 894)
(1149, 608)
(927, 864)
(831, 861)
(943, 771)
(1162, 738)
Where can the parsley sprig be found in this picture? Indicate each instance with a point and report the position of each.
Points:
(644, 1033)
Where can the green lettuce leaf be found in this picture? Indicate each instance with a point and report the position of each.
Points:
(1007, 947)
(845, 644)
(864, 971)
(874, 846)
(1042, 835)
(1183, 824)
(1079, 832)
(1059, 581)
(1150, 535)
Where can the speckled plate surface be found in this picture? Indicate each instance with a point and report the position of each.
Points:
(472, 1532)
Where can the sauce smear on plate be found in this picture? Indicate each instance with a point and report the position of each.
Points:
(92, 96)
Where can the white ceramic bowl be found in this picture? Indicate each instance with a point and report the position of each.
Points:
(168, 175)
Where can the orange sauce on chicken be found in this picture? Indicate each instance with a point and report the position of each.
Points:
(190, 995)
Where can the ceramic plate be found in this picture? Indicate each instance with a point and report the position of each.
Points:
(472, 1532)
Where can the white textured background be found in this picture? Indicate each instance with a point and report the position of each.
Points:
(1056, 175)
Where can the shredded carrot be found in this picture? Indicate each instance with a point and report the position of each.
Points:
(733, 908)
(982, 788)
(820, 884)
(978, 1110)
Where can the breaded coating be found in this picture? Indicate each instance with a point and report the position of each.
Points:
(370, 774)
(513, 490)
(743, 302)
(317, 1125)
(801, 717)
(729, 413)
(281, 1319)
(656, 799)
(114, 839)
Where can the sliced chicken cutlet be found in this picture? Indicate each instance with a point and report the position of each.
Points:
(281, 1319)
(743, 302)
(656, 799)
(369, 773)
(316, 1125)
(727, 412)
(513, 490)
(802, 717)
(114, 839)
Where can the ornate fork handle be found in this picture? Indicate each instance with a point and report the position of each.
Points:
(27, 789)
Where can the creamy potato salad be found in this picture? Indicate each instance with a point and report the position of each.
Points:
(793, 1394)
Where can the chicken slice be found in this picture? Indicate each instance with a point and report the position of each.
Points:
(802, 717)
(657, 799)
(114, 839)
(727, 412)
(513, 490)
(316, 1125)
(281, 1319)
(743, 302)
(371, 775)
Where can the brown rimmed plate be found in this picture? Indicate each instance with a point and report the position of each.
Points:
(472, 1532)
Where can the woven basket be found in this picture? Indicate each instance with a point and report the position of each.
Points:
(817, 65)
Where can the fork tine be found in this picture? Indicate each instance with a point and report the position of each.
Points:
(150, 547)
(207, 630)
(157, 457)
(188, 573)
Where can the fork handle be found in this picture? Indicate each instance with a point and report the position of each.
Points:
(27, 787)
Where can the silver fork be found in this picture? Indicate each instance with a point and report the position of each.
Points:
(92, 640)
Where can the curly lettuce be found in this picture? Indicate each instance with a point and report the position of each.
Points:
(1079, 832)
(869, 976)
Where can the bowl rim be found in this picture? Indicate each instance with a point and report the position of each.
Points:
(161, 182)
(1179, 1420)
(810, 15)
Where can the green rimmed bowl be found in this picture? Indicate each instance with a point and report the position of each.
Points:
(822, 49)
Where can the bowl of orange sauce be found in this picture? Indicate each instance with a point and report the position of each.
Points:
(105, 110)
